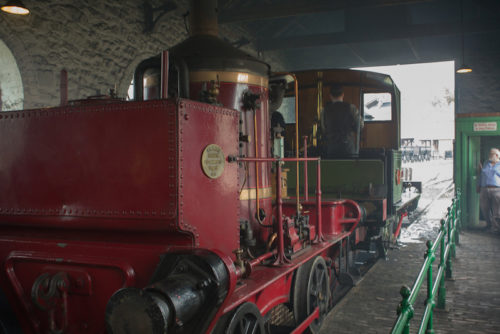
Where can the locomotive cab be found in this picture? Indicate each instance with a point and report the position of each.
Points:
(371, 173)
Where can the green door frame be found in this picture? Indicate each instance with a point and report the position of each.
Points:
(472, 197)
(468, 126)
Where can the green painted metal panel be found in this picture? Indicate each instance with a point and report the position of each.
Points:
(350, 178)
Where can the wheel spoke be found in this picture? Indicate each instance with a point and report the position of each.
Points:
(255, 329)
(321, 277)
(316, 275)
(245, 326)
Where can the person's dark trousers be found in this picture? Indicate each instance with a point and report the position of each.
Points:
(489, 201)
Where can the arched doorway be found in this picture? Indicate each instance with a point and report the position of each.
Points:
(11, 84)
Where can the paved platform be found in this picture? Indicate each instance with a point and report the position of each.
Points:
(473, 296)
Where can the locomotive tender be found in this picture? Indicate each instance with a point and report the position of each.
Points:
(167, 214)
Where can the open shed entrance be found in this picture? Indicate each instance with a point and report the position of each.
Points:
(11, 86)
(427, 117)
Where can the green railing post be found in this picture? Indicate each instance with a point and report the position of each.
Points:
(442, 289)
(458, 228)
(429, 254)
(453, 228)
(405, 307)
(459, 208)
(448, 242)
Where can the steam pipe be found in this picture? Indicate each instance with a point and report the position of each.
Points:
(246, 268)
(306, 186)
(297, 191)
(183, 76)
(261, 258)
(319, 109)
(280, 259)
(256, 140)
(139, 75)
(274, 159)
(164, 75)
(319, 232)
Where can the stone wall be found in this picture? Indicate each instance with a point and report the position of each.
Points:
(98, 42)
(479, 91)
(11, 85)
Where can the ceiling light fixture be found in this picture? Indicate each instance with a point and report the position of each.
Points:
(15, 7)
(464, 68)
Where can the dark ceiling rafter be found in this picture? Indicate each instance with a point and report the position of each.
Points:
(413, 49)
(300, 7)
(284, 28)
(377, 34)
(356, 54)
(490, 5)
(224, 4)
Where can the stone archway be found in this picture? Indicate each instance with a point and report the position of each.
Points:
(11, 84)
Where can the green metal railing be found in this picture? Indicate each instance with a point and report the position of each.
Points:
(446, 240)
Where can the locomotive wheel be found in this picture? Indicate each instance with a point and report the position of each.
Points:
(246, 320)
(311, 289)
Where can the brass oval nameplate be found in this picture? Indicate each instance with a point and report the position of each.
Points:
(213, 161)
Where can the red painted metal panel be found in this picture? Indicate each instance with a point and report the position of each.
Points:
(209, 208)
(97, 265)
(115, 161)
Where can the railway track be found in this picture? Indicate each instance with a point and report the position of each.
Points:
(440, 186)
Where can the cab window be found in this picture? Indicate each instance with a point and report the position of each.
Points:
(377, 107)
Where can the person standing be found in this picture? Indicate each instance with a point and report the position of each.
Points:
(489, 190)
(341, 123)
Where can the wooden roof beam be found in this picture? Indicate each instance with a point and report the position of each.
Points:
(377, 34)
(301, 7)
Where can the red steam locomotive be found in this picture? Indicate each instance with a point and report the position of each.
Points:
(166, 214)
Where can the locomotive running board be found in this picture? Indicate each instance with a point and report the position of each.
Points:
(256, 282)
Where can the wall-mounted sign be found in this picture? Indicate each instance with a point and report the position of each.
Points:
(212, 161)
(485, 126)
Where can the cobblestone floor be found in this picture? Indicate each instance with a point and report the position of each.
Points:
(473, 296)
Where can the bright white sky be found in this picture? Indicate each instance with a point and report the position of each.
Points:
(425, 113)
